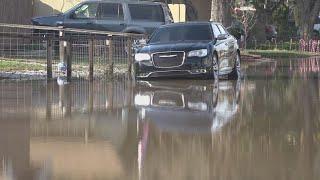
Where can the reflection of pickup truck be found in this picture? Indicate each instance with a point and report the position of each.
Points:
(112, 15)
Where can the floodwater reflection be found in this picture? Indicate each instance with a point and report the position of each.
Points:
(265, 128)
(187, 106)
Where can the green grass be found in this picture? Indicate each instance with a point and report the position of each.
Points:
(12, 65)
(280, 53)
(280, 46)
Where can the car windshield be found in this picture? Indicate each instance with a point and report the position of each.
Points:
(182, 33)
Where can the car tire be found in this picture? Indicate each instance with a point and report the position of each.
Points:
(236, 71)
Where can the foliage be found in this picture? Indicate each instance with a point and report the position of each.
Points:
(246, 15)
(306, 12)
(281, 19)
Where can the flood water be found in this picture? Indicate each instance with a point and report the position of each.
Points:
(262, 127)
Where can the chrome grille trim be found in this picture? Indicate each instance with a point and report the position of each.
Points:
(169, 52)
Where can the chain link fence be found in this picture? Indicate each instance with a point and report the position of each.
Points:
(53, 52)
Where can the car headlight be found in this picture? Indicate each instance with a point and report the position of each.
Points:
(142, 57)
(198, 53)
(142, 100)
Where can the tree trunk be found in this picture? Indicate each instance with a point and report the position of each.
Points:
(306, 30)
(221, 11)
(306, 12)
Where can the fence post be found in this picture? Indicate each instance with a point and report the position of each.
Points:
(91, 56)
(49, 100)
(69, 60)
(91, 95)
(290, 44)
(110, 55)
(49, 59)
(61, 46)
(130, 54)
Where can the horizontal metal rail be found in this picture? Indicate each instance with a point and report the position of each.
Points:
(85, 31)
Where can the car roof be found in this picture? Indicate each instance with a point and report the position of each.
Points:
(190, 23)
(125, 1)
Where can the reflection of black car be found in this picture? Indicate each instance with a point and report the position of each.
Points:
(194, 49)
(112, 15)
(186, 106)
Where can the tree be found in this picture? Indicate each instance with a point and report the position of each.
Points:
(265, 9)
(246, 15)
(306, 12)
(221, 11)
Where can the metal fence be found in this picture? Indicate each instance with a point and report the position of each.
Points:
(294, 44)
(64, 51)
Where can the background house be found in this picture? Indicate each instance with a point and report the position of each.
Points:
(16, 11)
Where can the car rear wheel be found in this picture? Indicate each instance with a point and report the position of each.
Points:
(215, 67)
(214, 72)
(236, 71)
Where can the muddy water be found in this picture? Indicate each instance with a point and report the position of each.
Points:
(265, 126)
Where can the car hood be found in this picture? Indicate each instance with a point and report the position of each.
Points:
(47, 20)
(175, 46)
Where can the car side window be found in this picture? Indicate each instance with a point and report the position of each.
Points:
(216, 30)
(222, 30)
(145, 12)
(111, 11)
(86, 11)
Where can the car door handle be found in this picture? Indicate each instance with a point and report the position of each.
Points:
(89, 23)
(122, 24)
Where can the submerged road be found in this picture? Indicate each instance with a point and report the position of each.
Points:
(264, 126)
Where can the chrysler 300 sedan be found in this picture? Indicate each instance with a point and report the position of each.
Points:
(194, 49)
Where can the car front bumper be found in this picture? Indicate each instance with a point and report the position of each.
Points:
(192, 67)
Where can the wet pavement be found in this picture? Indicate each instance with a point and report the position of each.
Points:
(264, 126)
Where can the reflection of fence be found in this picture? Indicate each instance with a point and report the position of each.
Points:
(293, 44)
(74, 51)
(53, 101)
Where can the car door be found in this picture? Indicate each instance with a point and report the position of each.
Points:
(83, 17)
(146, 17)
(111, 17)
(229, 42)
(222, 49)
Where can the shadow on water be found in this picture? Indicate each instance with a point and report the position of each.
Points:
(264, 128)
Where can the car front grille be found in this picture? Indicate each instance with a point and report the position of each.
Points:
(168, 59)
(168, 99)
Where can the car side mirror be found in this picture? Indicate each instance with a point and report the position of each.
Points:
(137, 44)
(222, 37)
(142, 42)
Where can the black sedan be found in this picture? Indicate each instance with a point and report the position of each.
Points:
(195, 49)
